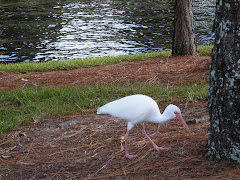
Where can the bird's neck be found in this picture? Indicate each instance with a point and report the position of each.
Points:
(160, 118)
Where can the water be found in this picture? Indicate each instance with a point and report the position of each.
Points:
(52, 30)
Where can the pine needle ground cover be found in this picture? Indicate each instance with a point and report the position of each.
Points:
(57, 134)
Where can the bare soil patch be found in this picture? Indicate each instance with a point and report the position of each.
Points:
(91, 146)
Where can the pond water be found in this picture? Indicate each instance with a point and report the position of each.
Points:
(52, 30)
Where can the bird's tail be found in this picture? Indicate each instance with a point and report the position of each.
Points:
(103, 109)
(99, 111)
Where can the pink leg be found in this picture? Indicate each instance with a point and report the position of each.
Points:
(154, 145)
(127, 155)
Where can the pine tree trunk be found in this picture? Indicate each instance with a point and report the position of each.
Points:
(184, 39)
(224, 89)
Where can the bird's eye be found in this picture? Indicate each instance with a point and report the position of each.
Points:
(175, 112)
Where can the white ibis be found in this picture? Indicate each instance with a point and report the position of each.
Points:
(137, 109)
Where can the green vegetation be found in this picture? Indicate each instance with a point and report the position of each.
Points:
(205, 50)
(31, 105)
(79, 63)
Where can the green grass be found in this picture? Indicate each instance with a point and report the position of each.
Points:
(79, 63)
(32, 105)
(205, 50)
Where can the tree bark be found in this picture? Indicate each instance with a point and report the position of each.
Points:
(184, 39)
(224, 88)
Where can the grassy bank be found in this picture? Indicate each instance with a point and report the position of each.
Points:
(79, 63)
(31, 105)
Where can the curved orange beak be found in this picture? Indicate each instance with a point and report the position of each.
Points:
(181, 120)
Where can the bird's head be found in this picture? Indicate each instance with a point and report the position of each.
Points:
(173, 112)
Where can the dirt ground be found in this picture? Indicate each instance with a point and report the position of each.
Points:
(91, 146)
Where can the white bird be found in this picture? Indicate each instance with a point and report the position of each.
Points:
(137, 109)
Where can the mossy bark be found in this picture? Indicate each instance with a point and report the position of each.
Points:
(224, 89)
(184, 39)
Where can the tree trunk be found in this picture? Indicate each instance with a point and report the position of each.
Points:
(224, 89)
(184, 39)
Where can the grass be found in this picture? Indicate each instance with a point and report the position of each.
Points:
(22, 106)
(79, 63)
(205, 50)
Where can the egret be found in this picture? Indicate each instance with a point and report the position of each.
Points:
(138, 109)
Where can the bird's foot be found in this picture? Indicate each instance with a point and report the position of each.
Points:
(130, 156)
(161, 148)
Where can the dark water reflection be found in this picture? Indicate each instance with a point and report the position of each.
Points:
(51, 30)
